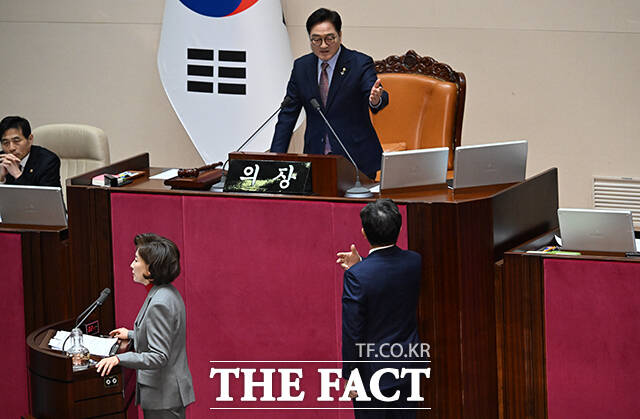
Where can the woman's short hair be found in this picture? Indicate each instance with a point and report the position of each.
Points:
(162, 256)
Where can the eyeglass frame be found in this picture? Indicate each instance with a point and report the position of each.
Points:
(327, 39)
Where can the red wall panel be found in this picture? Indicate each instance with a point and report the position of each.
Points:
(260, 284)
(13, 351)
(592, 322)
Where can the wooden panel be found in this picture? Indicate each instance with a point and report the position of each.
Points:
(46, 277)
(90, 229)
(112, 404)
(446, 348)
(139, 162)
(498, 272)
(524, 211)
(419, 232)
(86, 386)
(524, 349)
(477, 311)
(49, 399)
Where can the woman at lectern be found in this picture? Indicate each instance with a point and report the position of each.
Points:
(164, 386)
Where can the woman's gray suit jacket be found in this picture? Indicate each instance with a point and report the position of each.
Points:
(160, 357)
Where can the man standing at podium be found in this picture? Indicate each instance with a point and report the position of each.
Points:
(379, 311)
(21, 162)
(344, 82)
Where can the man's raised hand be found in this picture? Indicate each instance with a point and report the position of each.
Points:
(348, 259)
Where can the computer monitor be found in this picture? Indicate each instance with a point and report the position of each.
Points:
(36, 205)
(596, 230)
(490, 164)
(401, 169)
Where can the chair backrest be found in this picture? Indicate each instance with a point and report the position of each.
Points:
(426, 104)
(81, 148)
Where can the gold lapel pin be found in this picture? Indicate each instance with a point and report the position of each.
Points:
(30, 170)
(344, 69)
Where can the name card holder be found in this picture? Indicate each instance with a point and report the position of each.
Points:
(269, 176)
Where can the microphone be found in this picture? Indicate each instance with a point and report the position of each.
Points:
(97, 303)
(219, 187)
(87, 312)
(357, 191)
(103, 296)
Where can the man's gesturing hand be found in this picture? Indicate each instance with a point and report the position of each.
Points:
(376, 93)
(348, 259)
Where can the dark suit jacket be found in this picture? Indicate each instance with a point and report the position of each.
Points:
(42, 169)
(159, 336)
(347, 109)
(379, 305)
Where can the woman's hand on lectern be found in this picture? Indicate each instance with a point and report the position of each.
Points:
(106, 364)
(121, 333)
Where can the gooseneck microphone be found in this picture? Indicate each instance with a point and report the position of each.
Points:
(87, 312)
(357, 191)
(219, 187)
(97, 303)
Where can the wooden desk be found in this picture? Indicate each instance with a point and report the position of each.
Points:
(460, 234)
(45, 272)
(568, 333)
(36, 287)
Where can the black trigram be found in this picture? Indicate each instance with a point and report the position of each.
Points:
(207, 67)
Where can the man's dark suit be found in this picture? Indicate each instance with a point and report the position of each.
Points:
(42, 169)
(347, 109)
(379, 306)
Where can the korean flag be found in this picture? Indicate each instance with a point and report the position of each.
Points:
(224, 65)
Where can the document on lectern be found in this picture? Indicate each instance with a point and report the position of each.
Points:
(96, 345)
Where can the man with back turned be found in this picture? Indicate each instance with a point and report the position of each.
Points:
(345, 84)
(379, 311)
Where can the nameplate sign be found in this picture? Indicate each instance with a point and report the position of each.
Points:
(269, 176)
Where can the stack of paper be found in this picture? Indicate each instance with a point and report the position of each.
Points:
(96, 345)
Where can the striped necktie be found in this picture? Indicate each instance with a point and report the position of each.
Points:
(324, 93)
(324, 83)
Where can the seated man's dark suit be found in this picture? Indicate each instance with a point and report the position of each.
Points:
(379, 305)
(42, 169)
(347, 109)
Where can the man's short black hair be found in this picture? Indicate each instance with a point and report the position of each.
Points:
(162, 256)
(324, 15)
(16, 122)
(381, 221)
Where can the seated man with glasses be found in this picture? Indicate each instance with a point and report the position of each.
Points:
(344, 82)
(21, 162)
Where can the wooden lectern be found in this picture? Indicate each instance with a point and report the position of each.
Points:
(58, 392)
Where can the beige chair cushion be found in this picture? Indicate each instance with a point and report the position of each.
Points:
(81, 148)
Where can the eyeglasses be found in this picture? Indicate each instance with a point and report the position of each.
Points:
(329, 39)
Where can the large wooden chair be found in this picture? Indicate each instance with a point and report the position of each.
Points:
(426, 104)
